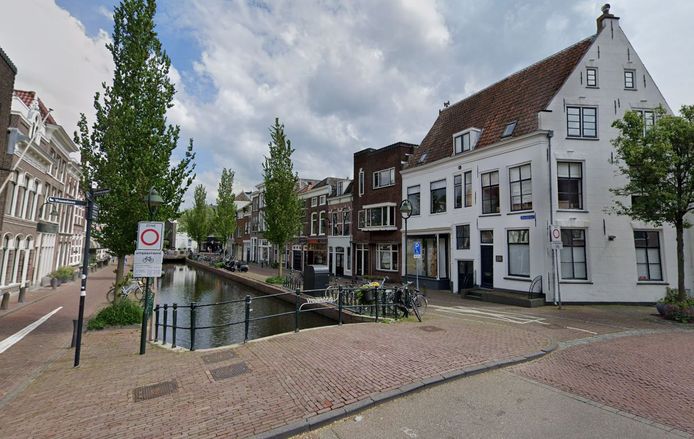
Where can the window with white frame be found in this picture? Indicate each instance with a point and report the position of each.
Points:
(570, 185)
(321, 223)
(361, 182)
(465, 141)
(519, 253)
(457, 191)
(591, 77)
(438, 196)
(387, 257)
(648, 267)
(648, 118)
(490, 192)
(462, 237)
(347, 222)
(361, 220)
(413, 196)
(382, 216)
(630, 79)
(520, 180)
(467, 177)
(336, 224)
(582, 122)
(322, 200)
(314, 223)
(314, 201)
(384, 178)
(573, 254)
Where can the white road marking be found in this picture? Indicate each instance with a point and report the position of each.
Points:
(16, 337)
(519, 319)
(582, 330)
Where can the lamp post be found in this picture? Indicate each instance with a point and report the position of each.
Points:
(405, 213)
(153, 201)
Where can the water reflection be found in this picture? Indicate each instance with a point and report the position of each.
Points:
(182, 284)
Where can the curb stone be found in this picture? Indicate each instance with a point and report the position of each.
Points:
(313, 422)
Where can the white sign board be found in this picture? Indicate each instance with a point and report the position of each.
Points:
(147, 263)
(417, 249)
(150, 235)
(555, 237)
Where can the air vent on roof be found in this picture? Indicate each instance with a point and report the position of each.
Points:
(509, 129)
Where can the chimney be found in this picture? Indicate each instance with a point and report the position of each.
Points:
(605, 14)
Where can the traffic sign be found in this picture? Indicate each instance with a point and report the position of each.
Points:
(69, 201)
(417, 247)
(147, 263)
(555, 237)
(150, 235)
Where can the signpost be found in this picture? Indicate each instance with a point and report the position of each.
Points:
(147, 262)
(150, 235)
(555, 237)
(417, 252)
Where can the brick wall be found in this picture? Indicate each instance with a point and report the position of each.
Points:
(7, 75)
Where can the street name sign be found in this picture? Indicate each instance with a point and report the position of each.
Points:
(69, 201)
(150, 235)
(417, 247)
(147, 263)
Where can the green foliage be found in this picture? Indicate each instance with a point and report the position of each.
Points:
(282, 206)
(63, 274)
(675, 309)
(129, 146)
(224, 220)
(219, 264)
(275, 280)
(120, 313)
(659, 166)
(197, 221)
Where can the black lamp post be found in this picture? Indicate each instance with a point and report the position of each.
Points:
(153, 201)
(405, 213)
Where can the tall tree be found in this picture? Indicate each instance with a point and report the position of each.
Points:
(129, 147)
(197, 220)
(282, 207)
(658, 161)
(224, 222)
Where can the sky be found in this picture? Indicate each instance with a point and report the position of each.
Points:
(341, 76)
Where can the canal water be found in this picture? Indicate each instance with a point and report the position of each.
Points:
(182, 284)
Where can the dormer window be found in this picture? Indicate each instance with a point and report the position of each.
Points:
(508, 130)
(465, 141)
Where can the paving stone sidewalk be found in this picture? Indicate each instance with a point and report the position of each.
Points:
(249, 389)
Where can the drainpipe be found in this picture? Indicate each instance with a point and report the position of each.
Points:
(557, 294)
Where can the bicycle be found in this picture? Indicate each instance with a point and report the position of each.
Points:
(406, 298)
(134, 287)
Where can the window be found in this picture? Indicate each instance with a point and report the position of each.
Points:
(384, 178)
(468, 188)
(582, 122)
(314, 223)
(336, 224)
(462, 237)
(458, 191)
(570, 185)
(387, 255)
(648, 119)
(462, 143)
(508, 130)
(490, 192)
(648, 255)
(573, 254)
(347, 221)
(519, 253)
(361, 182)
(382, 216)
(314, 201)
(521, 188)
(322, 200)
(413, 198)
(591, 77)
(438, 196)
(339, 189)
(321, 223)
(629, 82)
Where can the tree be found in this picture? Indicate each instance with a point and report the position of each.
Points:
(129, 147)
(224, 221)
(282, 207)
(658, 161)
(196, 221)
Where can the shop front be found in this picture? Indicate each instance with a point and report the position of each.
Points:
(432, 268)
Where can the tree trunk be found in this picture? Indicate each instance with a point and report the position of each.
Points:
(682, 294)
(120, 269)
(281, 257)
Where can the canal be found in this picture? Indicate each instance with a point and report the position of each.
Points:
(183, 284)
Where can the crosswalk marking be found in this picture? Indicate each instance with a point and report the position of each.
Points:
(519, 319)
(17, 336)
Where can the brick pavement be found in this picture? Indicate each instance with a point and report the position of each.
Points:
(649, 376)
(290, 377)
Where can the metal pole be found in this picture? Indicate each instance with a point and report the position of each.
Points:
(297, 304)
(406, 249)
(192, 325)
(173, 325)
(143, 330)
(339, 305)
(156, 323)
(247, 320)
(85, 270)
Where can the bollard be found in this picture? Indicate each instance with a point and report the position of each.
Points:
(5, 304)
(376, 302)
(73, 343)
(173, 325)
(297, 304)
(22, 294)
(156, 323)
(166, 319)
(192, 325)
(247, 319)
(339, 306)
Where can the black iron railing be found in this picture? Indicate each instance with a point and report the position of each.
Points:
(373, 302)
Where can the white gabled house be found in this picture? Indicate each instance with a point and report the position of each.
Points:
(534, 149)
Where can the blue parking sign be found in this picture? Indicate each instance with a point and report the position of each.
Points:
(417, 247)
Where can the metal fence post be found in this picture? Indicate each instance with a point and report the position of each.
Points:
(166, 319)
(192, 325)
(376, 302)
(339, 305)
(384, 303)
(297, 304)
(247, 320)
(173, 327)
(156, 323)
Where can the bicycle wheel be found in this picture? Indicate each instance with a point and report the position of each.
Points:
(421, 303)
(139, 294)
(111, 295)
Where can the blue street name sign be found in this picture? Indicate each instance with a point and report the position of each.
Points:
(417, 247)
(527, 217)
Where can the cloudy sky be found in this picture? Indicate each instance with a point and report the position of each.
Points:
(341, 76)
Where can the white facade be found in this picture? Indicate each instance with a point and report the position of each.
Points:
(610, 270)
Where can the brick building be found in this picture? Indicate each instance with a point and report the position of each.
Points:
(377, 192)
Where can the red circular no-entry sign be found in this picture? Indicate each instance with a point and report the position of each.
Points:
(149, 237)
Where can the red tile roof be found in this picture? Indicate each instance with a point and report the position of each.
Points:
(28, 98)
(518, 97)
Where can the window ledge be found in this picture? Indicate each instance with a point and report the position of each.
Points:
(592, 87)
(631, 89)
(379, 229)
(653, 282)
(573, 210)
(579, 282)
(520, 212)
(583, 138)
(389, 271)
(521, 279)
(490, 214)
(438, 213)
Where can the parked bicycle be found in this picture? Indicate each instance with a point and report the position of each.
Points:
(134, 287)
(407, 298)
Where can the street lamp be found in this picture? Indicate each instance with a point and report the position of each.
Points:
(405, 213)
(153, 201)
